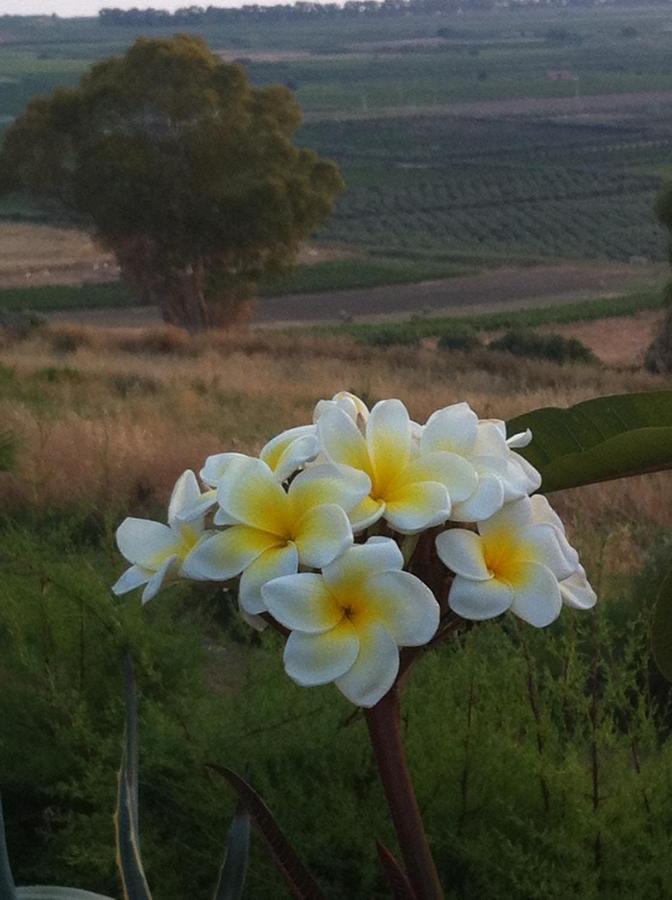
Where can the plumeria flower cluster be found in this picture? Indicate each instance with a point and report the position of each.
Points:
(364, 533)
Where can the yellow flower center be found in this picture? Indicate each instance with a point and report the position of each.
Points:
(504, 556)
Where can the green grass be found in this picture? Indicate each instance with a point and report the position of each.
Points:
(344, 274)
(582, 311)
(48, 298)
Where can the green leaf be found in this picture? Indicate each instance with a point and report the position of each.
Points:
(49, 892)
(598, 440)
(234, 868)
(126, 817)
(7, 887)
(300, 882)
(661, 631)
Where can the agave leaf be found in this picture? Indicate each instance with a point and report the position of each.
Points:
(49, 892)
(7, 887)
(300, 882)
(598, 440)
(661, 631)
(234, 868)
(396, 878)
(129, 860)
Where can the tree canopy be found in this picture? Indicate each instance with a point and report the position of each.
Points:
(182, 168)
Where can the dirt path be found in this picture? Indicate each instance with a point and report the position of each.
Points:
(496, 290)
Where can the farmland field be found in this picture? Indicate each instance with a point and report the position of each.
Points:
(437, 172)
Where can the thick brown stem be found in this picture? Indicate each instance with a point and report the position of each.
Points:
(383, 721)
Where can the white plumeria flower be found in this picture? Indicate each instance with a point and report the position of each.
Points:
(158, 552)
(501, 475)
(514, 562)
(412, 491)
(348, 623)
(275, 530)
(574, 590)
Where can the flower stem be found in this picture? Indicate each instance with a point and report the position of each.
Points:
(383, 721)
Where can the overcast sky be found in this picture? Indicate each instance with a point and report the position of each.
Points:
(91, 7)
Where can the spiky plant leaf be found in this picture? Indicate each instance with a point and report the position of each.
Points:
(300, 882)
(129, 860)
(395, 876)
(234, 868)
(7, 887)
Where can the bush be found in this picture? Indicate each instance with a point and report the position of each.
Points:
(658, 357)
(552, 347)
(460, 337)
(407, 335)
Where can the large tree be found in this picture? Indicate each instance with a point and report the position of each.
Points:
(181, 168)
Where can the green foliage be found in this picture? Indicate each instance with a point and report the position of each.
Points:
(461, 337)
(8, 448)
(601, 439)
(661, 632)
(472, 734)
(50, 297)
(584, 311)
(552, 347)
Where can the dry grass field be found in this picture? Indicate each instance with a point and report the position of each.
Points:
(109, 418)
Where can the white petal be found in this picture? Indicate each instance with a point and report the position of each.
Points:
(131, 579)
(388, 439)
(365, 514)
(405, 606)
(345, 575)
(491, 439)
(453, 428)
(536, 595)
(185, 494)
(273, 563)
(342, 441)
(144, 542)
(522, 439)
(201, 507)
(531, 475)
(215, 466)
(322, 535)
(549, 547)
(302, 602)
(312, 659)
(486, 500)
(227, 553)
(375, 669)
(454, 472)
(479, 600)
(168, 570)
(417, 506)
(328, 483)
(512, 517)
(542, 511)
(576, 592)
(290, 450)
(463, 553)
(249, 492)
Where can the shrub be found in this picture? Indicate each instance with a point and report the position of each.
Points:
(393, 336)
(552, 347)
(460, 337)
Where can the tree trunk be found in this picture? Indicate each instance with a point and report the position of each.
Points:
(180, 292)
